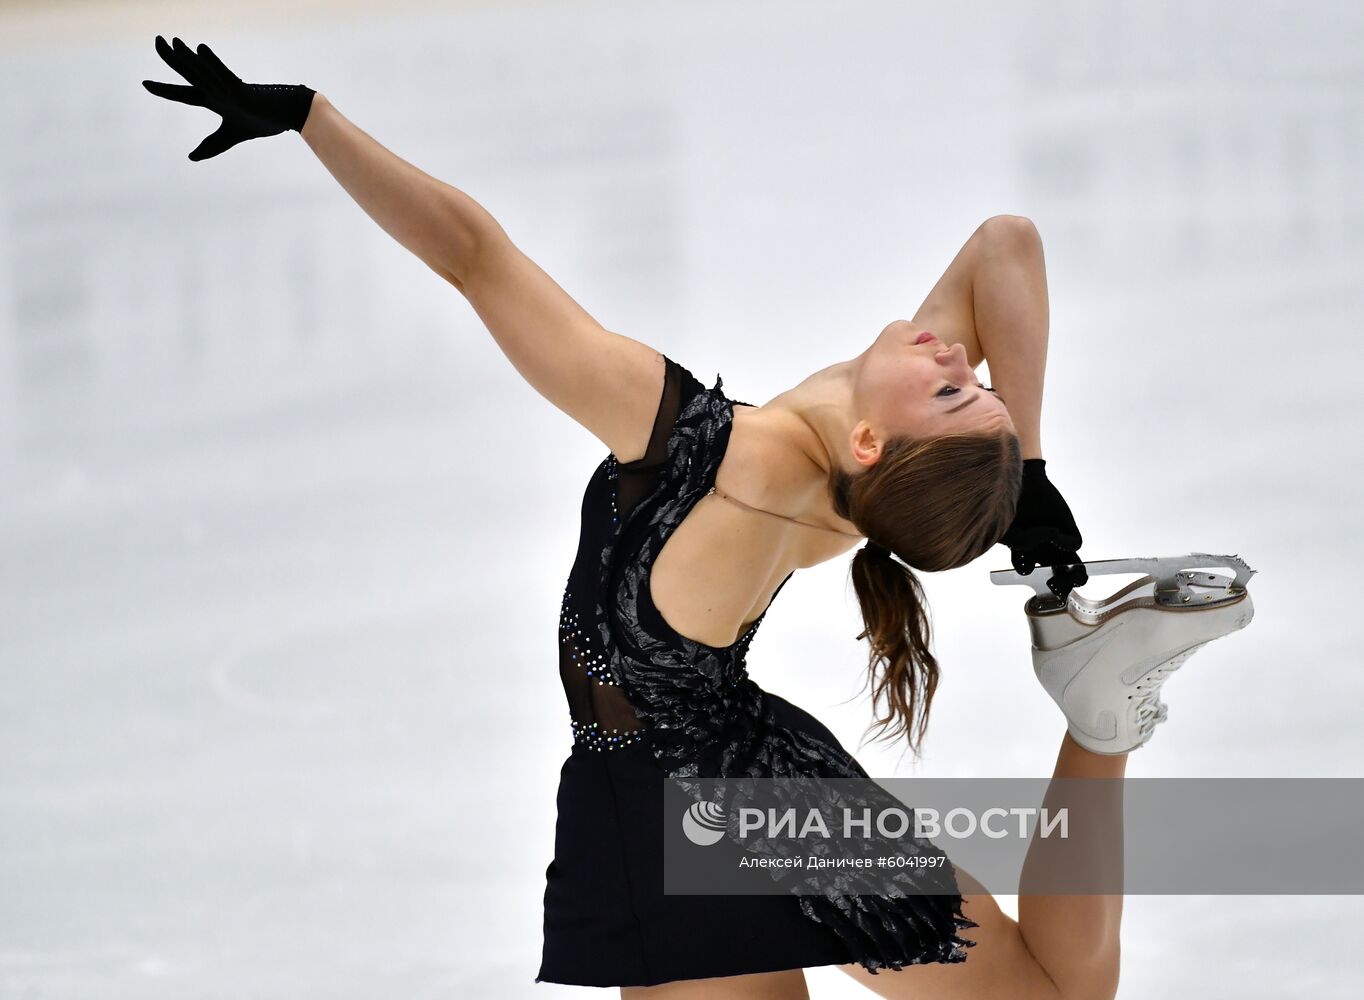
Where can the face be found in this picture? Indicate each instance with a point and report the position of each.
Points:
(922, 389)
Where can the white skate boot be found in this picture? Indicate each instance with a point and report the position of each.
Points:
(1103, 662)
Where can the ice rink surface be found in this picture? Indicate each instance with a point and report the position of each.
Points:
(283, 535)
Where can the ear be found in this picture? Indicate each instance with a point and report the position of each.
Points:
(866, 447)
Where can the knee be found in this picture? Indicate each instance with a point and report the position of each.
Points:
(1011, 233)
(1093, 980)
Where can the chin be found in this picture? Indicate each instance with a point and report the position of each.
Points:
(900, 331)
(893, 339)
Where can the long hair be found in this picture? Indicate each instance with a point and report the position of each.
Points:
(936, 504)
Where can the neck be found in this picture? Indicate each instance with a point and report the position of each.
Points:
(819, 423)
(824, 404)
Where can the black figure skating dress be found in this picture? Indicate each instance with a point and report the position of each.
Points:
(646, 703)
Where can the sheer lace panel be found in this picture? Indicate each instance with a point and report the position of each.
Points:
(600, 712)
(640, 477)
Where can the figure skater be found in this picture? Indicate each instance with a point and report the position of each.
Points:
(702, 510)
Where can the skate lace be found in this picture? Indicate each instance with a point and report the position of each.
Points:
(1149, 706)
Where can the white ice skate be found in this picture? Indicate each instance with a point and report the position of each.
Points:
(1103, 662)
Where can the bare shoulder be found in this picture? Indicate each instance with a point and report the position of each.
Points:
(771, 459)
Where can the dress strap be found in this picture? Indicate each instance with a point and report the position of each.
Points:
(719, 492)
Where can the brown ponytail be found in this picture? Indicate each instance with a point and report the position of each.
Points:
(936, 504)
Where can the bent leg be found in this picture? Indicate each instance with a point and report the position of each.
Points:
(1060, 948)
(1000, 964)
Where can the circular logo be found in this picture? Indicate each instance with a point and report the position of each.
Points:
(704, 823)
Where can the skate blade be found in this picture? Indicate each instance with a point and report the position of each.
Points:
(1170, 582)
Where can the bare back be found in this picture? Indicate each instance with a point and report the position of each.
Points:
(721, 567)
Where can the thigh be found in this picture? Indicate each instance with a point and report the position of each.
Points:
(759, 986)
(999, 965)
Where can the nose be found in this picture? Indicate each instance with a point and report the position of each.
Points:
(953, 357)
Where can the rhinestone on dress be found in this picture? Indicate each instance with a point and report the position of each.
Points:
(594, 737)
(579, 647)
(612, 475)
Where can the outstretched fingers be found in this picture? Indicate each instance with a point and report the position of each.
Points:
(204, 85)
(190, 66)
(210, 62)
(213, 144)
(175, 92)
(175, 59)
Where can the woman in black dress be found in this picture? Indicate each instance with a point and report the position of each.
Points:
(701, 511)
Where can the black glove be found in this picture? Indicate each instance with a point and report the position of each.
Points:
(1044, 532)
(249, 110)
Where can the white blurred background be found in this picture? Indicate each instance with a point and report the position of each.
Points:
(283, 536)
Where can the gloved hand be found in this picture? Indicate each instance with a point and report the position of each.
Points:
(249, 110)
(1044, 532)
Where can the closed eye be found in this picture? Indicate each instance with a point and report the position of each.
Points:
(952, 390)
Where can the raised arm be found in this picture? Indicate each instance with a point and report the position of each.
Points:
(992, 299)
(609, 383)
(439, 223)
